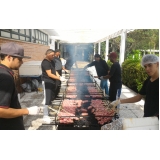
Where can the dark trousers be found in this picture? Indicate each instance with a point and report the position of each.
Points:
(113, 90)
(58, 84)
(49, 92)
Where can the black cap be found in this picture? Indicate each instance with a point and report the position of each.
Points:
(13, 49)
(97, 55)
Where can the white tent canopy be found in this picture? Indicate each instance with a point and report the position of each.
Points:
(80, 35)
(89, 36)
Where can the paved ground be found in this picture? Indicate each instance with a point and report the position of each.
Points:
(34, 98)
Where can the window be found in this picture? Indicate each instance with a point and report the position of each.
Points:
(22, 31)
(27, 32)
(33, 33)
(15, 30)
(22, 38)
(36, 34)
(15, 36)
(27, 39)
(25, 35)
(19, 34)
(5, 34)
(39, 37)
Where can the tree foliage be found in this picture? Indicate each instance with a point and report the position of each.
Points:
(140, 39)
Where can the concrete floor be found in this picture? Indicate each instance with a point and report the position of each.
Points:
(34, 98)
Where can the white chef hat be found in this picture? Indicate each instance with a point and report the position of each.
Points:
(149, 58)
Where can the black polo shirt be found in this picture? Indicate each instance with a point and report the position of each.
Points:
(115, 73)
(101, 67)
(9, 99)
(47, 65)
(151, 91)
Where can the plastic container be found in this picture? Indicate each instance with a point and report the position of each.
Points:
(145, 123)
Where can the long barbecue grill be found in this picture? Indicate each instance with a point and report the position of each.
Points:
(83, 105)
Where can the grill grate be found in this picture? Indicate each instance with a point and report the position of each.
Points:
(80, 122)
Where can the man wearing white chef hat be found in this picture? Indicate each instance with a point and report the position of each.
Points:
(150, 87)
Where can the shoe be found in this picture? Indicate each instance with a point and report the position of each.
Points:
(47, 120)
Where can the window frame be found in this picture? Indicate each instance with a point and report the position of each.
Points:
(32, 35)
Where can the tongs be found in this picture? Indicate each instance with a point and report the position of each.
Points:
(53, 109)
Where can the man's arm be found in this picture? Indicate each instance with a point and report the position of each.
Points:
(49, 73)
(134, 99)
(57, 74)
(128, 100)
(12, 113)
(103, 77)
(89, 65)
(105, 65)
(110, 72)
(65, 69)
(106, 77)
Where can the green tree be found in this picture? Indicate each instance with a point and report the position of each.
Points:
(115, 44)
(142, 39)
(139, 39)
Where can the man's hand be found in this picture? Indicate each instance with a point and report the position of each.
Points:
(62, 79)
(101, 78)
(34, 110)
(114, 103)
(67, 71)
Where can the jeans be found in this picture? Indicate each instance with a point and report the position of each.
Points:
(118, 96)
(104, 85)
(119, 93)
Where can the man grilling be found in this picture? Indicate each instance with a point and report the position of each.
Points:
(58, 67)
(49, 77)
(114, 77)
(102, 70)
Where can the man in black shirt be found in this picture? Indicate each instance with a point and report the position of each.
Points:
(49, 77)
(57, 61)
(11, 114)
(150, 87)
(102, 70)
(114, 77)
(58, 67)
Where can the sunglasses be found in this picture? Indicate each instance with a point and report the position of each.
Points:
(19, 58)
